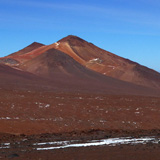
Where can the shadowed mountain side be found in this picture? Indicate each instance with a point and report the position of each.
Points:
(64, 70)
(16, 79)
(11, 78)
(54, 63)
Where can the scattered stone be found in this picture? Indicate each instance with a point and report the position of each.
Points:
(13, 155)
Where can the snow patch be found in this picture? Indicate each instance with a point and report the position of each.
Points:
(8, 118)
(95, 60)
(109, 142)
(57, 44)
(42, 105)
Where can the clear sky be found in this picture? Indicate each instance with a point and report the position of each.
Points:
(128, 28)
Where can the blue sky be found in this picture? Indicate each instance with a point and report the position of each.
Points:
(130, 29)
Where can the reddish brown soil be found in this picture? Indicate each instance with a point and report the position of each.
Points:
(33, 112)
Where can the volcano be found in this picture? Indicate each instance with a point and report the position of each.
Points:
(40, 59)
(91, 57)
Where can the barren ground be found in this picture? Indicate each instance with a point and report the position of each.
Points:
(38, 116)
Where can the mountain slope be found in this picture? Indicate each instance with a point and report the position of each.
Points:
(52, 63)
(108, 63)
(12, 78)
(64, 71)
